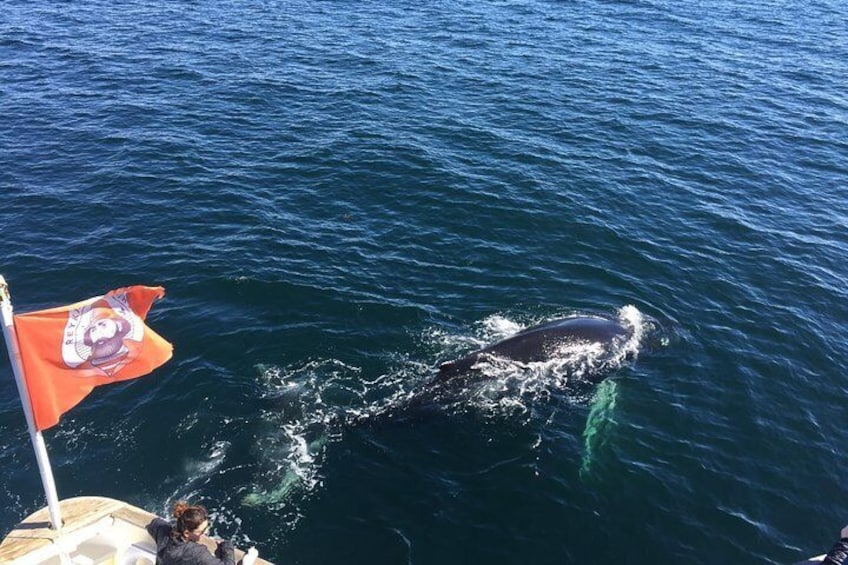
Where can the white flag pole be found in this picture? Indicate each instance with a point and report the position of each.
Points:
(37, 440)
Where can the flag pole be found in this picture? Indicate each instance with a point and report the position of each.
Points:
(35, 435)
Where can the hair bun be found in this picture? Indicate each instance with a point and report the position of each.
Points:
(180, 507)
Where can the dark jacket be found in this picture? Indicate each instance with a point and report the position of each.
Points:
(837, 554)
(179, 552)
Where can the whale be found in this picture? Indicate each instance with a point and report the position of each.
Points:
(540, 343)
(608, 342)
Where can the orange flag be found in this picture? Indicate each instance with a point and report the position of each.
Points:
(67, 351)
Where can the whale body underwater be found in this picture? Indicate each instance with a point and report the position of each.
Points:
(603, 341)
(541, 343)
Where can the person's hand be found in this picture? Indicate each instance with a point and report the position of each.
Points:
(844, 533)
(250, 557)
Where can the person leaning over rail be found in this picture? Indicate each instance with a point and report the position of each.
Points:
(180, 544)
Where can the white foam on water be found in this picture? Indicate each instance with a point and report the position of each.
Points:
(216, 453)
(310, 405)
(497, 327)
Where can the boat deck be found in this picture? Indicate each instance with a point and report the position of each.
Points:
(96, 531)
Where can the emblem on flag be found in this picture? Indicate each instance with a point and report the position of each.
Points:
(104, 335)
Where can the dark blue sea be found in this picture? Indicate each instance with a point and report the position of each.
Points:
(339, 196)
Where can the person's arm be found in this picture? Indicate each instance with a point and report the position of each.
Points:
(838, 554)
(159, 530)
(224, 554)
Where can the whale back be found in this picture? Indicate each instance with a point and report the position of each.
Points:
(539, 343)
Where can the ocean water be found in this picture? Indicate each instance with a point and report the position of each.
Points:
(338, 196)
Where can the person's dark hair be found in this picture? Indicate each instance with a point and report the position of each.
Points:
(188, 519)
